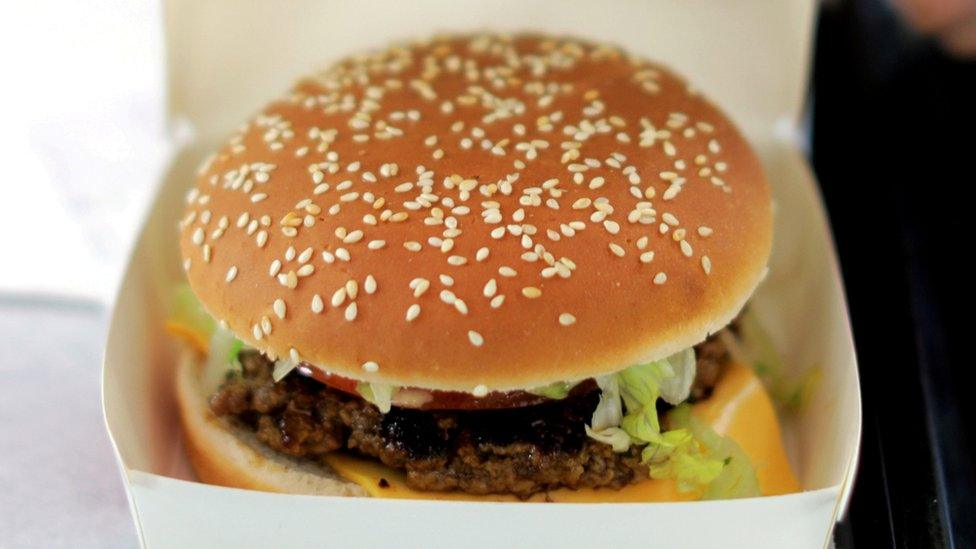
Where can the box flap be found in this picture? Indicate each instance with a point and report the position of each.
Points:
(228, 58)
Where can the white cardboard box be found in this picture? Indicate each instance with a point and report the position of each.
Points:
(228, 57)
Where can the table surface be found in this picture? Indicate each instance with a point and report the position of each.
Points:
(62, 488)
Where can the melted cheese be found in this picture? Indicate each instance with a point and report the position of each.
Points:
(739, 408)
(189, 335)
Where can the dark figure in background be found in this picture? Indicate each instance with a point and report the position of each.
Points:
(894, 146)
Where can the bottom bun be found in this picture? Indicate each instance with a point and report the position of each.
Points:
(229, 456)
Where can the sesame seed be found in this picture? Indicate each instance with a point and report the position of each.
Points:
(647, 257)
(567, 319)
(457, 260)
(616, 249)
(279, 308)
(370, 366)
(351, 311)
(660, 278)
(686, 248)
(376, 244)
(482, 254)
(317, 305)
(339, 297)
(531, 292)
(447, 296)
(369, 285)
(413, 312)
(704, 231)
(476, 340)
(491, 287)
(706, 264)
(479, 390)
(231, 274)
(353, 237)
(507, 271)
(419, 286)
(497, 301)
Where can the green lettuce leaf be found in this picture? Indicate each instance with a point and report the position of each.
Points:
(380, 394)
(676, 388)
(755, 347)
(735, 479)
(186, 310)
(616, 437)
(222, 358)
(282, 367)
(609, 411)
(555, 391)
(670, 454)
(687, 462)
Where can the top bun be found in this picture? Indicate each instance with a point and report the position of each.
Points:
(480, 212)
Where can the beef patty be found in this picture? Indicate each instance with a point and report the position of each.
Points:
(518, 451)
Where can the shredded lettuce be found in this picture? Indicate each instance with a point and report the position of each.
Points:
(380, 394)
(221, 359)
(754, 347)
(186, 310)
(555, 391)
(282, 367)
(222, 349)
(687, 461)
(676, 388)
(605, 424)
(609, 411)
(670, 454)
(736, 478)
(615, 437)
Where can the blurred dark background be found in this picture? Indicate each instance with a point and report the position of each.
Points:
(893, 141)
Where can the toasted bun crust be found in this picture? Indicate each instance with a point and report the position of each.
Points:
(227, 456)
(572, 209)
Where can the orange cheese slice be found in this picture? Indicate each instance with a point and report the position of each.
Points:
(739, 408)
(191, 336)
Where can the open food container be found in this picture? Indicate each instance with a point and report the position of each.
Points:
(750, 56)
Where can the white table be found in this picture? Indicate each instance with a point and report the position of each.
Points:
(59, 482)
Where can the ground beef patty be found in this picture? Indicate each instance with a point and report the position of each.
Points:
(515, 451)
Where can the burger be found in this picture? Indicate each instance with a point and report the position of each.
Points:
(485, 266)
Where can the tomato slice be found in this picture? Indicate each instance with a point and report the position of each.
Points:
(428, 399)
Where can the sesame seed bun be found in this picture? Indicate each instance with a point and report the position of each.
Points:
(475, 212)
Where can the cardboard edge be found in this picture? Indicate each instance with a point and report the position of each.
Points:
(788, 146)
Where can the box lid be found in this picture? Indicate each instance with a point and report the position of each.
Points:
(227, 58)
